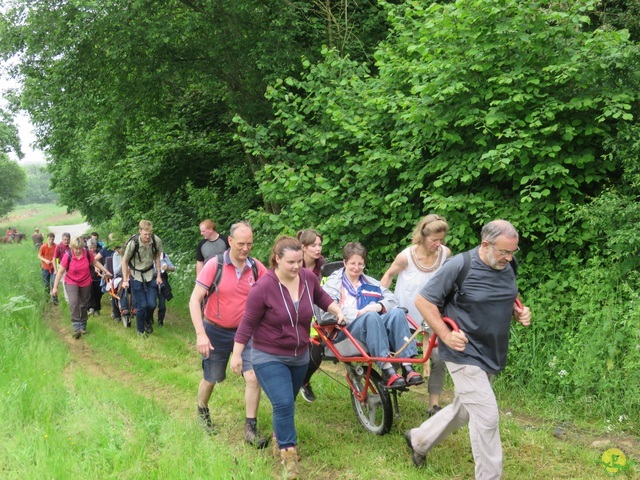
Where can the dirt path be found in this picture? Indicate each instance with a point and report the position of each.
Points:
(75, 230)
(87, 359)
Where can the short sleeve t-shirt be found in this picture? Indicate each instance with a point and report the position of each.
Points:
(47, 252)
(78, 269)
(226, 305)
(143, 259)
(482, 309)
(208, 249)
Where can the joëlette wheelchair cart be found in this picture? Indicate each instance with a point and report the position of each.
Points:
(373, 402)
(116, 292)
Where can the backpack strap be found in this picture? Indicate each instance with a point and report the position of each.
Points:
(69, 254)
(217, 276)
(136, 250)
(462, 275)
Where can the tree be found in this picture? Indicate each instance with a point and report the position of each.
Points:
(477, 110)
(133, 101)
(13, 183)
(38, 188)
(12, 177)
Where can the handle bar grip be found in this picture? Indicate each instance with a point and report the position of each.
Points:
(451, 324)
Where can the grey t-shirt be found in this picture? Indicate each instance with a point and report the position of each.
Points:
(482, 309)
(208, 249)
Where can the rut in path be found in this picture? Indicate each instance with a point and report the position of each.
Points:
(85, 358)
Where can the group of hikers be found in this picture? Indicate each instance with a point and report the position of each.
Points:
(87, 268)
(257, 320)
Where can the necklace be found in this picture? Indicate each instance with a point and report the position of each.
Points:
(420, 266)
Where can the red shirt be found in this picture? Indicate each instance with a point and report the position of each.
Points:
(225, 306)
(78, 269)
(47, 252)
(60, 251)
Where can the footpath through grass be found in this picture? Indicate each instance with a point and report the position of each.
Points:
(113, 406)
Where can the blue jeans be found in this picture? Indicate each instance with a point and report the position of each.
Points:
(144, 298)
(281, 383)
(118, 306)
(48, 279)
(383, 333)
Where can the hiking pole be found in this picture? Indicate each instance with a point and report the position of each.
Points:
(413, 337)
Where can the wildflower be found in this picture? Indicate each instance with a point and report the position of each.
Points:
(562, 373)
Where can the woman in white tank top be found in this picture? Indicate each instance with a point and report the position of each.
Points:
(415, 266)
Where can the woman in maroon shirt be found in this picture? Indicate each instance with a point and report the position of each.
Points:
(278, 317)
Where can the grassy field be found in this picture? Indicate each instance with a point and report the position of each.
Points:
(26, 217)
(114, 406)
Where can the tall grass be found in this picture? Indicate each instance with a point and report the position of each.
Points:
(113, 406)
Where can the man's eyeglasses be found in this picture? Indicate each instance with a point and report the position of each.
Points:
(505, 253)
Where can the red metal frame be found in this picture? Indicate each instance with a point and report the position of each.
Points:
(326, 331)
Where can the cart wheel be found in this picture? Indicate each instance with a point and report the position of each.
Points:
(126, 321)
(375, 413)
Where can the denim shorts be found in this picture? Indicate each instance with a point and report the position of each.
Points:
(214, 368)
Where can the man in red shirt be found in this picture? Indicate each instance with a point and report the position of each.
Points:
(216, 329)
(45, 254)
(62, 248)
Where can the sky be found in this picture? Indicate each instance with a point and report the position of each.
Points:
(25, 129)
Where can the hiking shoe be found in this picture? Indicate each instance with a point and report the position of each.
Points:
(148, 328)
(391, 379)
(77, 334)
(417, 458)
(289, 459)
(253, 437)
(433, 410)
(204, 419)
(411, 376)
(90, 311)
(307, 393)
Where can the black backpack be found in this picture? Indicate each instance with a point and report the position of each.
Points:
(136, 250)
(462, 275)
(218, 276)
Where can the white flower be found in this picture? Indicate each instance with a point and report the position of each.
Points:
(562, 373)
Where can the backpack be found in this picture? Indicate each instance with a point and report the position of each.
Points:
(136, 249)
(218, 276)
(462, 275)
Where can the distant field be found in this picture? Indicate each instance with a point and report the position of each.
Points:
(26, 217)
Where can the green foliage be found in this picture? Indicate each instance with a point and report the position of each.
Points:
(38, 188)
(583, 347)
(524, 130)
(133, 100)
(13, 182)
